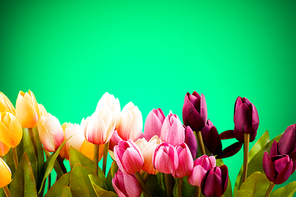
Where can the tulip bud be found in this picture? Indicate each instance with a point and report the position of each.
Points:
(115, 139)
(201, 166)
(190, 140)
(165, 158)
(211, 138)
(126, 185)
(109, 101)
(287, 143)
(130, 123)
(100, 127)
(147, 149)
(27, 109)
(5, 174)
(50, 132)
(172, 130)
(246, 119)
(128, 157)
(195, 111)
(277, 168)
(215, 181)
(11, 131)
(5, 103)
(4, 149)
(153, 123)
(185, 161)
(42, 111)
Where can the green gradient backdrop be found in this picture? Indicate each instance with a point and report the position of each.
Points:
(151, 53)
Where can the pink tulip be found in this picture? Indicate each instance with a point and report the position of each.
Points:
(165, 158)
(172, 130)
(201, 166)
(128, 157)
(50, 132)
(115, 139)
(126, 185)
(185, 161)
(153, 123)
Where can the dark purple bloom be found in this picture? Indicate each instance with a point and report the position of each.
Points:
(195, 111)
(211, 138)
(190, 140)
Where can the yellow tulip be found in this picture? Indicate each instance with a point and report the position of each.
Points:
(11, 131)
(27, 109)
(5, 103)
(87, 149)
(5, 174)
(4, 149)
(42, 111)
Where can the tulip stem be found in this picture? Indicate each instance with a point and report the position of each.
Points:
(61, 162)
(49, 182)
(168, 184)
(180, 187)
(15, 158)
(270, 188)
(200, 142)
(106, 148)
(146, 190)
(197, 191)
(246, 155)
(6, 191)
(96, 157)
(146, 176)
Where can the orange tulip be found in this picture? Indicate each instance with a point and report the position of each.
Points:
(11, 131)
(87, 149)
(5, 174)
(5, 103)
(27, 109)
(4, 149)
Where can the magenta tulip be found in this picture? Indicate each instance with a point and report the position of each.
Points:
(153, 123)
(201, 166)
(287, 143)
(165, 158)
(211, 138)
(128, 157)
(185, 161)
(172, 130)
(190, 140)
(126, 185)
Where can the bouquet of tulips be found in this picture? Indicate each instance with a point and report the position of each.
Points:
(167, 159)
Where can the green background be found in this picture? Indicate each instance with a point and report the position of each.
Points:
(70, 53)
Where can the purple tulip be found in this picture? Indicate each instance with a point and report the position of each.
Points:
(195, 111)
(190, 140)
(215, 181)
(185, 161)
(211, 138)
(153, 123)
(126, 185)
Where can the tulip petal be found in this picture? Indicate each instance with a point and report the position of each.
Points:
(131, 160)
(230, 150)
(196, 176)
(273, 150)
(225, 177)
(203, 108)
(212, 141)
(268, 167)
(286, 143)
(212, 184)
(284, 174)
(191, 141)
(243, 117)
(226, 135)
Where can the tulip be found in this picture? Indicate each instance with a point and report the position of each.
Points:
(115, 139)
(147, 149)
(109, 101)
(27, 109)
(87, 149)
(195, 111)
(50, 132)
(165, 158)
(215, 181)
(100, 127)
(42, 111)
(4, 149)
(185, 161)
(190, 140)
(172, 130)
(128, 157)
(126, 185)
(153, 123)
(287, 143)
(130, 123)
(201, 166)
(277, 168)
(5, 174)
(211, 138)
(10, 129)
(5, 103)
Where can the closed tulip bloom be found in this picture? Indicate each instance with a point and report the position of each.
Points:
(109, 101)
(5, 103)
(50, 132)
(4, 149)
(190, 140)
(287, 143)
(42, 111)
(5, 174)
(11, 131)
(130, 122)
(201, 166)
(195, 111)
(126, 185)
(153, 123)
(211, 138)
(147, 149)
(27, 109)
(185, 161)
(172, 130)
(100, 127)
(87, 149)
(115, 139)
(165, 158)
(128, 157)
(215, 181)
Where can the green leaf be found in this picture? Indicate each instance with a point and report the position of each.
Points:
(96, 180)
(23, 181)
(8, 158)
(154, 187)
(40, 157)
(228, 192)
(66, 192)
(287, 191)
(256, 185)
(261, 142)
(2, 194)
(101, 192)
(112, 171)
(56, 189)
(188, 190)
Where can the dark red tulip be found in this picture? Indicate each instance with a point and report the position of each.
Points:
(215, 181)
(195, 111)
(211, 138)
(190, 140)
